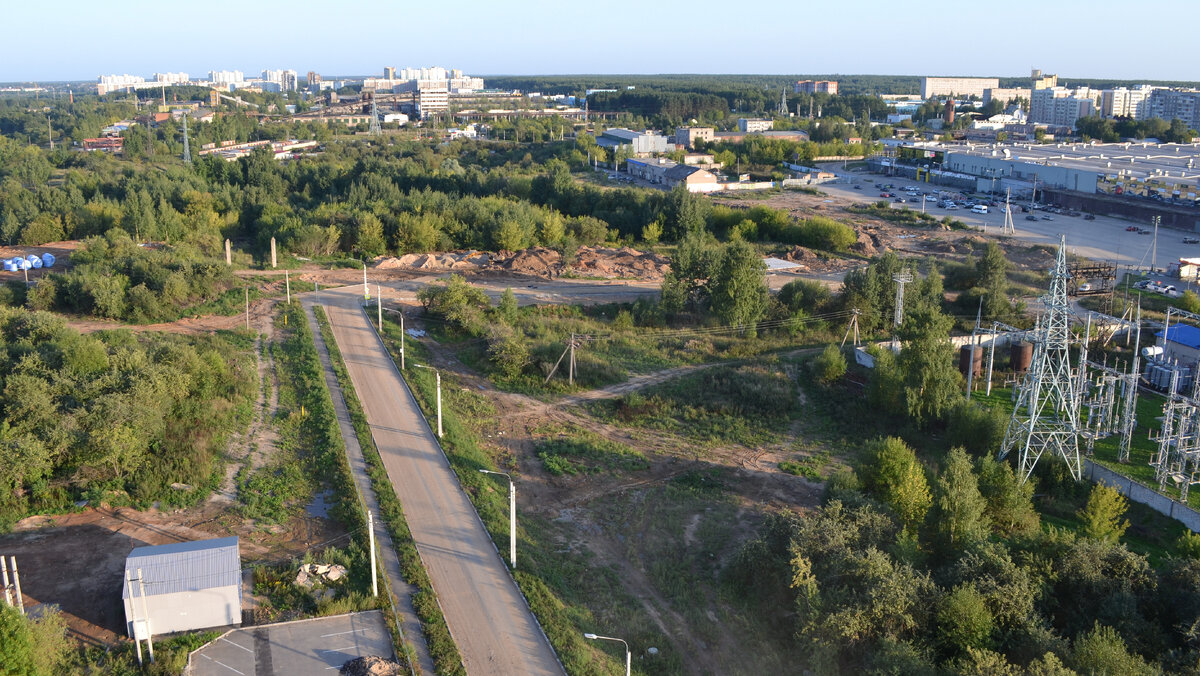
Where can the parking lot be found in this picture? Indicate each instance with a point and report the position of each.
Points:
(300, 648)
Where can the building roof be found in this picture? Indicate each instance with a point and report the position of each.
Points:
(682, 171)
(1184, 334)
(185, 566)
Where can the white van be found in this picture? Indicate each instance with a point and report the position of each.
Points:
(979, 209)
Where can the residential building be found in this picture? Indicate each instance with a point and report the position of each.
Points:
(1059, 106)
(183, 586)
(752, 125)
(111, 83)
(226, 77)
(1121, 102)
(108, 144)
(389, 72)
(433, 97)
(640, 143)
(171, 78)
(963, 87)
(1040, 81)
(1004, 95)
(687, 136)
(286, 79)
(816, 87)
(1170, 104)
(313, 78)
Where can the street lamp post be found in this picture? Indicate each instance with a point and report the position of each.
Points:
(628, 655)
(438, 374)
(512, 515)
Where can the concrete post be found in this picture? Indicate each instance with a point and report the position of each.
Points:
(17, 585)
(273, 252)
(228, 254)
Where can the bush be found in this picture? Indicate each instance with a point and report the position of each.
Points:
(805, 295)
(830, 365)
(819, 232)
(977, 428)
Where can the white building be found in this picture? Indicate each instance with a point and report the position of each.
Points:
(1060, 106)
(286, 79)
(957, 86)
(171, 78)
(999, 122)
(1122, 102)
(753, 125)
(226, 77)
(1006, 95)
(1170, 104)
(183, 587)
(112, 83)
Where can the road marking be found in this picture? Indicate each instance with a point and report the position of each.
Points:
(222, 663)
(340, 633)
(337, 650)
(235, 644)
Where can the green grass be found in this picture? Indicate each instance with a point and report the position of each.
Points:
(748, 404)
(445, 655)
(582, 452)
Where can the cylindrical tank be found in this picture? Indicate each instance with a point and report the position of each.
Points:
(1020, 354)
(8, 266)
(48, 260)
(1152, 351)
(35, 262)
(972, 356)
(16, 261)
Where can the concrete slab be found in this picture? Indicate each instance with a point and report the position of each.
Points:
(316, 647)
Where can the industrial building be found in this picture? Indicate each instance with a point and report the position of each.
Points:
(963, 87)
(1180, 343)
(686, 137)
(183, 587)
(816, 87)
(640, 143)
(670, 174)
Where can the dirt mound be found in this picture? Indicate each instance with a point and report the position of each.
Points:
(865, 244)
(453, 260)
(538, 261)
(370, 666)
(620, 263)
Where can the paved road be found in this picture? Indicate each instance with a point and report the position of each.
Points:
(402, 592)
(1102, 239)
(493, 628)
(313, 647)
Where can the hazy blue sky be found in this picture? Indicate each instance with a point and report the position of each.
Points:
(80, 39)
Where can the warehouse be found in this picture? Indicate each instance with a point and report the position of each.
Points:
(183, 586)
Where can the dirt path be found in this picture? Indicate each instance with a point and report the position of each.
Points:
(260, 442)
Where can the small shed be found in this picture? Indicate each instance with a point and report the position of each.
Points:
(188, 586)
(1180, 343)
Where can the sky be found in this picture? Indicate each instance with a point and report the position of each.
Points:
(82, 39)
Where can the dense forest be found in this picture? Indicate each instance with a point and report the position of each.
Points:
(113, 416)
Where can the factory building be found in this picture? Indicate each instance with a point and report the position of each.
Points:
(640, 143)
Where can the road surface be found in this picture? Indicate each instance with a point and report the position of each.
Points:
(492, 626)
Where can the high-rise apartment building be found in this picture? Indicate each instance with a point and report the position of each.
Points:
(1121, 102)
(1060, 106)
(1182, 104)
(816, 86)
(171, 78)
(962, 87)
(1041, 81)
(226, 77)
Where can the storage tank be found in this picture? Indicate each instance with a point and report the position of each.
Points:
(1152, 351)
(970, 355)
(25, 264)
(1020, 355)
(48, 260)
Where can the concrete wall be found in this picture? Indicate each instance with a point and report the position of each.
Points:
(1134, 209)
(1065, 178)
(187, 611)
(1145, 495)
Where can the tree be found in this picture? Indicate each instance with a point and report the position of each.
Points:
(926, 364)
(1103, 651)
(895, 477)
(1101, 516)
(1009, 501)
(506, 307)
(830, 365)
(685, 286)
(17, 648)
(685, 213)
(508, 350)
(738, 288)
(369, 237)
(964, 622)
(960, 512)
(992, 273)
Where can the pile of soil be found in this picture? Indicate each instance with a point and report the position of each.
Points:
(866, 244)
(454, 260)
(538, 261)
(598, 261)
(370, 666)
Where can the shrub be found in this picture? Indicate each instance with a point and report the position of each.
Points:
(830, 365)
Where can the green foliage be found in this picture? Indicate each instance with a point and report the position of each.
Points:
(1103, 651)
(1102, 516)
(738, 288)
(976, 427)
(506, 308)
(508, 351)
(587, 453)
(32, 647)
(830, 365)
(805, 295)
(113, 413)
(964, 622)
(1189, 302)
(894, 475)
(456, 301)
(1189, 545)
(926, 365)
(1009, 501)
(959, 516)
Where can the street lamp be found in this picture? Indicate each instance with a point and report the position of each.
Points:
(439, 394)
(628, 656)
(512, 515)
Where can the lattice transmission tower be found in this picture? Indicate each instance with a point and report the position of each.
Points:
(1046, 418)
(374, 129)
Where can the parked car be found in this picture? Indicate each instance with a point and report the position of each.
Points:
(979, 209)
(885, 194)
(1132, 228)
(1085, 287)
(1141, 284)
(1191, 240)
(1047, 218)
(857, 187)
(899, 199)
(1031, 217)
(1089, 217)
(1143, 231)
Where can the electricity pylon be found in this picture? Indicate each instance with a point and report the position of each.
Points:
(1045, 418)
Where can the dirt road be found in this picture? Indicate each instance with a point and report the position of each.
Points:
(493, 628)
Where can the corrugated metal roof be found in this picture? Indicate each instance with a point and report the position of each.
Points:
(185, 566)
(1184, 334)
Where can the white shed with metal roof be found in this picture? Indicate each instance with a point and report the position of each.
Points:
(187, 586)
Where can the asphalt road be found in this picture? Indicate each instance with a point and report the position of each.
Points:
(492, 626)
(313, 647)
(1102, 239)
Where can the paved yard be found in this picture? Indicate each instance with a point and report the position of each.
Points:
(301, 648)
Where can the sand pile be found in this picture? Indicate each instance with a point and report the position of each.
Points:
(619, 263)
(370, 666)
(454, 260)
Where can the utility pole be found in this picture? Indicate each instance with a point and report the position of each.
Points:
(571, 366)
(187, 150)
(852, 326)
(379, 306)
(366, 289)
(512, 515)
(900, 279)
(1154, 256)
(401, 339)
(145, 616)
(247, 308)
(137, 643)
(50, 130)
(288, 283)
(371, 539)
(4, 578)
(438, 375)
(17, 585)
(1010, 228)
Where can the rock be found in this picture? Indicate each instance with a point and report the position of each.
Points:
(370, 665)
(335, 573)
